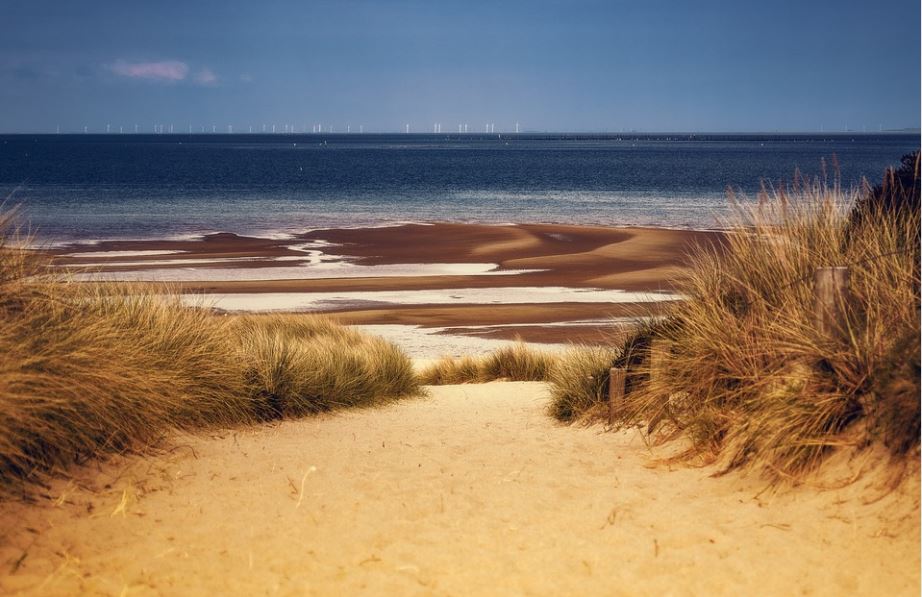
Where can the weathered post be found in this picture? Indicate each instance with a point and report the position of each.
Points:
(615, 391)
(830, 290)
(659, 354)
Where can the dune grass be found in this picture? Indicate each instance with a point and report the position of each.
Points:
(90, 369)
(579, 381)
(301, 364)
(747, 374)
(516, 362)
(578, 376)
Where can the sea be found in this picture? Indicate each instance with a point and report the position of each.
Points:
(87, 187)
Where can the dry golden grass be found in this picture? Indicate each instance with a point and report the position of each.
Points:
(448, 371)
(88, 369)
(300, 364)
(578, 377)
(516, 362)
(579, 381)
(748, 375)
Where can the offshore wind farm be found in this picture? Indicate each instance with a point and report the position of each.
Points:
(460, 298)
(86, 187)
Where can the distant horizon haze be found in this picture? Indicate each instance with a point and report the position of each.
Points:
(197, 132)
(580, 66)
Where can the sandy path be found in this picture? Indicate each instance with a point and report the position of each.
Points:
(471, 491)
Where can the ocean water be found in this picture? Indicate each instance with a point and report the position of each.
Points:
(79, 187)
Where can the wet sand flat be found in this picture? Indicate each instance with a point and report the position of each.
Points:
(592, 259)
(642, 259)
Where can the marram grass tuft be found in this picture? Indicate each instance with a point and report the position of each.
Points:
(749, 376)
(89, 369)
(516, 362)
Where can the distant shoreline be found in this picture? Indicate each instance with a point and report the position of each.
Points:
(472, 134)
(80, 187)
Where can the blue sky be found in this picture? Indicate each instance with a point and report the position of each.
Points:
(561, 66)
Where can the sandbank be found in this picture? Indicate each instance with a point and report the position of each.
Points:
(418, 260)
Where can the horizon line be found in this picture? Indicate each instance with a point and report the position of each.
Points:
(903, 130)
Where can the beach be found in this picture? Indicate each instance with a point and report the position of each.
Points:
(471, 490)
(553, 284)
(464, 489)
(449, 299)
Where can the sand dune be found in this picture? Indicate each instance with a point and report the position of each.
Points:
(473, 490)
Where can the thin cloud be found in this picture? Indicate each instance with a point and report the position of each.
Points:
(165, 71)
(206, 77)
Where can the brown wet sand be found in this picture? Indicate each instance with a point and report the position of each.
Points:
(634, 259)
(472, 491)
(506, 321)
(579, 256)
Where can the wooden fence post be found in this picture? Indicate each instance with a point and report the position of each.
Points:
(830, 291)
(659, 354)
(615, 391)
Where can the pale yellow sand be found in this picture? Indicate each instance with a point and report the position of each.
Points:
(473, 491)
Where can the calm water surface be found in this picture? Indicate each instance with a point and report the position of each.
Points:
(140, 186)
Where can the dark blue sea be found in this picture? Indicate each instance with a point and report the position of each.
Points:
(140, 186)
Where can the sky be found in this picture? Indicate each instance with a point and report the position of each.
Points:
(607, 66)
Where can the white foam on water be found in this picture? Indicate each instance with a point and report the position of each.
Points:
(91, 242)
(271, 234)
(394, 224)
(329, 301)
(46, 244)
